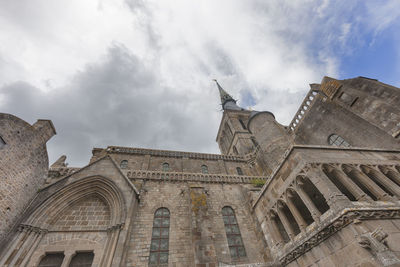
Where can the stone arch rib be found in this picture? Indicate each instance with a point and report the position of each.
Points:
(94, 185)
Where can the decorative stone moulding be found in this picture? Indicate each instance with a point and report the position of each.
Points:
(174, 154)
(196, 177)
(345, 218)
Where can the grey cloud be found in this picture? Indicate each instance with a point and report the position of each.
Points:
(118, 101)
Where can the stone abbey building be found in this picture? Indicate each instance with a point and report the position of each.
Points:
(322, 191)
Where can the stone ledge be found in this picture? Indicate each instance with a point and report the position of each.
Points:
(170, 153)
(196, 177)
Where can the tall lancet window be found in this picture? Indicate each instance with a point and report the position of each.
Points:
(233, 235)
(159, 246)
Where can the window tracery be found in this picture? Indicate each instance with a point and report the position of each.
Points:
(233, 235)
(159, 246)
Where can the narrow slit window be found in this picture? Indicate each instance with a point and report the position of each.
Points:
(204, 169)
(337, 140)
(239, 171)
(82, 259)
(243, 125)
(255, 143)
(235, 243)
(2, 142)
(235, 151)
(52, 260)
(159, 246)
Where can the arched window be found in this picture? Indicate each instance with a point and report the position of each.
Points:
(204, 169)
(233, 235)
(160, 237)
(123, 164)
(52, 260)
(165, 167)
(239, 171)
(337, 140)
(82, 259)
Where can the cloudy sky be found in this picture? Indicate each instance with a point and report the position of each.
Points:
(139, 73)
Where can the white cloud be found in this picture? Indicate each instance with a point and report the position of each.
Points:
(139, 72)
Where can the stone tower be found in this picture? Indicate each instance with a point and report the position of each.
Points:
(244, 132)
(23, 165)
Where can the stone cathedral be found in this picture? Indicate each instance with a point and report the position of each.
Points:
(322, 191)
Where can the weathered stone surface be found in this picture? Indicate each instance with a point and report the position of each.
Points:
(323, 191)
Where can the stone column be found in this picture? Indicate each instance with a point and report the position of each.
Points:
(334, 198)
(296, 213)
(371, 186)
(39, 235)
(350, 185)
(309, 204)
(286, 223)
(389, 184)
(15, 244)
(392, 174)
(21, 251)
(274, 230)
(68, 255)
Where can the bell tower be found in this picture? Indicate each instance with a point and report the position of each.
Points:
(233, 135)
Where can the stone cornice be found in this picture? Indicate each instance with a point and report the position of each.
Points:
(192, 177)
(170, 153)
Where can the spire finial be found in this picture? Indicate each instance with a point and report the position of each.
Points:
(225, 97)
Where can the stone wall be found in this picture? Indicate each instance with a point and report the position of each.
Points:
(197, 233)
(23, 166)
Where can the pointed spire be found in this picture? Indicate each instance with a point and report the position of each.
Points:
(227, 100)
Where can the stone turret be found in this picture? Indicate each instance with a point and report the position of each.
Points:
(23, 166)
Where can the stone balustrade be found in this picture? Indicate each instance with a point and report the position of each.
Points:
(321, 196)
(192, 177)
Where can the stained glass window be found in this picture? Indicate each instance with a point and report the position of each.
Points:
(123, 164)
(204, 169)
(233, 235)
(82, 259)
(165, 167)
(336, 140)
(159, 246)
(52, 260)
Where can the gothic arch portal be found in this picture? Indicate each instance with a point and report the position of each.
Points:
(37, 236)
